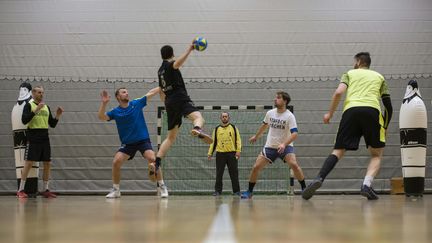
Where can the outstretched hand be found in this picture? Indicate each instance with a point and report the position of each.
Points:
(252, 139)
(105, 98)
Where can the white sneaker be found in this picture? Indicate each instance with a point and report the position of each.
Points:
(113, 194)
(163, 191)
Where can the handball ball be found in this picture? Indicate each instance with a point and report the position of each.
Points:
(200, 44)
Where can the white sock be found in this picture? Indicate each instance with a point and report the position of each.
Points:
(116, 187)
(22, 185)
(45, 185)
(368, 180)
(161, 183)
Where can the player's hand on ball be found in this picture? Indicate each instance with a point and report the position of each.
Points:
(252, 139)
(326, 118)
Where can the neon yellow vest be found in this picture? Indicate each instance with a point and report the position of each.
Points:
(40, 120)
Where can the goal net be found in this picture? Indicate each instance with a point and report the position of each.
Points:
(187, 169)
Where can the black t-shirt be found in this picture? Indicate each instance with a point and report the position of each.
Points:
(172, 84)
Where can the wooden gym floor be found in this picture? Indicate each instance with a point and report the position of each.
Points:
(324, 218)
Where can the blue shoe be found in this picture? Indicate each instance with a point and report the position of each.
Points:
(246, 195)
(309, 191)
(368, 192)
(238, 194)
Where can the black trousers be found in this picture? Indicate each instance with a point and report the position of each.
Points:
(229, 159)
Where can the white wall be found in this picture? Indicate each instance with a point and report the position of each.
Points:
(109, 39)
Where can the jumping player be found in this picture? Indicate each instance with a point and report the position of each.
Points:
(177, 101)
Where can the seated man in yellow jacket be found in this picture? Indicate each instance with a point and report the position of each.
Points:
(227, 143)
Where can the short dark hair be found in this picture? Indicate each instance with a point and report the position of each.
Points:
(285, 96)
(364, 58)
(118, 91)
(167, 52)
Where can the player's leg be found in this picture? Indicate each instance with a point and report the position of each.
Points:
(232, 164)
(198, 123)
(45, 177)
(326, 168)
(46, 158)
(119, 159)
(150, 156)
(24, 173)
(166, 145)
(221, 161)
(260, 163)
(347, 138)
(32, 153)
(374, 135)
(291, 161)
(372, 170)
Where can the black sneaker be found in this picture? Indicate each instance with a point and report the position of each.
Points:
(309, 191)
(368, 192)
(216, 194)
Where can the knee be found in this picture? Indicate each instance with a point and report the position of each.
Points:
(294, 166)
(117, 163)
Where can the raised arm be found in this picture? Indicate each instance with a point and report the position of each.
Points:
(181, 59)
(153, 92)
(102, 108)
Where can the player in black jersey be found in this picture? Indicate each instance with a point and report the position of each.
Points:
(177, 101)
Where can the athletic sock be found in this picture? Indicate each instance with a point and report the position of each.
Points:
(251, 186)
(116, 187)
(45, 185)
(158, 163)
(161, 183)
(303, 184)
(368, 181)
(328, 166)
(22, 185)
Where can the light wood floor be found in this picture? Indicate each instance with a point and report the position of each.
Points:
(325, 218)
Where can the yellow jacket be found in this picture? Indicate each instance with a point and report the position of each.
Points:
(227, 139)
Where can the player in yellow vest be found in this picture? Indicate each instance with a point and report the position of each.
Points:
(38, 117)
(227, 143)
(361, 117)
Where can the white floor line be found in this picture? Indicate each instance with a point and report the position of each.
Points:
(222, 228)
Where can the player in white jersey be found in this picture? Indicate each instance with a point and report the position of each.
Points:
(282, 133)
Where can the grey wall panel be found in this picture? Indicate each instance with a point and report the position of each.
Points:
(90, 40)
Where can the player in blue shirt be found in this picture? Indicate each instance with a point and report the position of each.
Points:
(133, 135)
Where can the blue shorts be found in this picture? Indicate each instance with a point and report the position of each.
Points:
(272, 153)
(132, 148)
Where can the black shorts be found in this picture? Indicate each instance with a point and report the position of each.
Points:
(357, 122)
(131, 149)
(177, 110)
(38, 151)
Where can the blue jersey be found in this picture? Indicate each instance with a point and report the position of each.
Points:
(130, 121)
